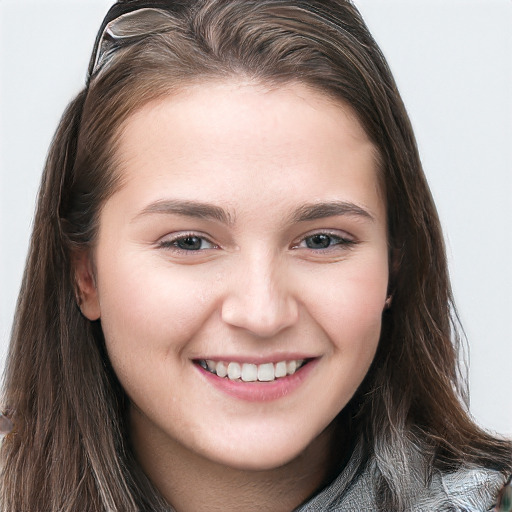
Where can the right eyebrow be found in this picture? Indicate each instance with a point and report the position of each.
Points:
(187, 209)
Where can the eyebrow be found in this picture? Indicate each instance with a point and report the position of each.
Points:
(187, 209)
(196, 209)
(329, 209)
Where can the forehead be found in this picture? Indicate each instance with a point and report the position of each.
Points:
(292, 138)
(239, 99)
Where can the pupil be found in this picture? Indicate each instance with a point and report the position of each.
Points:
(190, 243)
(318, 241)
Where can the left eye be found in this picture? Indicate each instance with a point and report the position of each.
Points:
(188, 243)
(323, 241)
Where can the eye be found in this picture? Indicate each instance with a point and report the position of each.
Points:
(322, 241)
(190, 243)
(187, 242)
(319, 241)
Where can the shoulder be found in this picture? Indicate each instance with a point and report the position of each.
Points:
(465, 490)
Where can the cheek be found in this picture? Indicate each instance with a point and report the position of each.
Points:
(149, 308)
(350, 314)
(349, 304)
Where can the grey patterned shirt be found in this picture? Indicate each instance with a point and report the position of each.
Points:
(466, 490)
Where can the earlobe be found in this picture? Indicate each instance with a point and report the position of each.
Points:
(85, 283)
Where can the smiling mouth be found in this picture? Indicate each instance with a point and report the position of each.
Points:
(247, 372)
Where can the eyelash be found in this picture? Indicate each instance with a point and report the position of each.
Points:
(334, 240)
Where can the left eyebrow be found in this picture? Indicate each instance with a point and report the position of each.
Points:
(316, 211)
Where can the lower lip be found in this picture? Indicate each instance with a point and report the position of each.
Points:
(260, 391)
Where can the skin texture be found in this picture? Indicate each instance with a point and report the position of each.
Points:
(254, 291)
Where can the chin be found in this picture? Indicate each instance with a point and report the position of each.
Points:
(272, 452)
(266, 460)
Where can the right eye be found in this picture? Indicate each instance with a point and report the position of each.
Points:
(187, 242)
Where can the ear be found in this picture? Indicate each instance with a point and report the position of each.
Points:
(85, 282)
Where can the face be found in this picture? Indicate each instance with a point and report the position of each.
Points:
(241, 270)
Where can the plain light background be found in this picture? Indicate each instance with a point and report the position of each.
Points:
(452, 60)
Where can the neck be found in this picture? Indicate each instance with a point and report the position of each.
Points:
(191, 483)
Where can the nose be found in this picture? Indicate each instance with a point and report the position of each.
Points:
(259, 298)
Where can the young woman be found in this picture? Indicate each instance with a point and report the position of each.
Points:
(236, 296)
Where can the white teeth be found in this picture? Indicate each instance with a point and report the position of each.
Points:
(247, 372)
(280, 370)
(266, 372)
(234, 371)
(211, 365)
(222, 369)
(291, 367)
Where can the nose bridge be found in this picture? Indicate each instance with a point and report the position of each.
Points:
(259, 296)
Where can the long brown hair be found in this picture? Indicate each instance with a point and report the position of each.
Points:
(70, 449)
